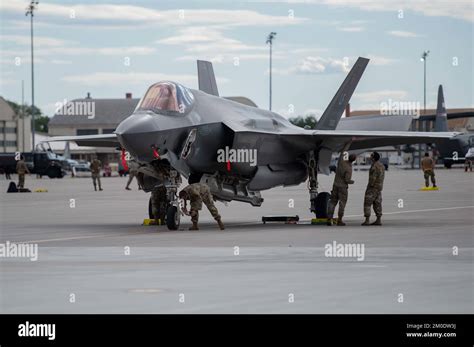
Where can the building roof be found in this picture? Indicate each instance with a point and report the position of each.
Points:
(107, 112)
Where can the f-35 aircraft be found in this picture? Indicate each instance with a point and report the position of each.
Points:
(239, 150)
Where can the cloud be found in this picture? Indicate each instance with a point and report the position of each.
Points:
(113, 78)
(376, 60)
(52, 47)
(61, 62)
(205, 39)
(210, 43)
(400, 33)
(458, 9)
(315, 65)
(38, 40)
(351, 29)
(111, 14)
(380, 95)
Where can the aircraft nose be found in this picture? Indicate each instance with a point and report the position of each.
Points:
(138, 134)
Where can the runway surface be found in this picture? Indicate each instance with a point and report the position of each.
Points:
(100, 255)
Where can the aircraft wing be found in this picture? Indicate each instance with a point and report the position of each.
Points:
(101, 140)
(291, 143)
(370, 139)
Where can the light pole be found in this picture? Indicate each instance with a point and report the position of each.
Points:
(270, 38)
(30, 12)
(423, 59)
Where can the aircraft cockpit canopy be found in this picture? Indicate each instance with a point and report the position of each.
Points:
(168, 98)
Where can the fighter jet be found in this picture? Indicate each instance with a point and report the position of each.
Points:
(238, 149)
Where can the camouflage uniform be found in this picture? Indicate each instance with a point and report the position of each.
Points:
(373, 193)
(159, 203)
(132, 172)
(199, 193)
(427, 165)
(21, 170)
(95, 171)
(340, 187)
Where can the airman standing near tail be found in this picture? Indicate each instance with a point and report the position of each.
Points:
(340, 187)
(373, 193)
(428, 165)
(95, 171)
(21, 170)
(198, 193)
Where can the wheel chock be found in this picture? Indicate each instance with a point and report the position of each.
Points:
(284, 219)
(41, 190)
(322, 221)
(428, 188)
(148, 221)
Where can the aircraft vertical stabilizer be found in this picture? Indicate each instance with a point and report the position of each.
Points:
(206, 78)
(336, 107)
(441, 122)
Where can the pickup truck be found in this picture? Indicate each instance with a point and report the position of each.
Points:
(45, 163)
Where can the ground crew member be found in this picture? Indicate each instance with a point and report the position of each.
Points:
(132, 172)
(21, 170)
(198, 193)
(428, 165)
(373, 193)
(340, 188)
(95, 171)
(469, 159)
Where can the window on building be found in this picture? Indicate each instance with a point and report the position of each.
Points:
(10, 130)
(7, 143)
(87, 131)
(108, 131)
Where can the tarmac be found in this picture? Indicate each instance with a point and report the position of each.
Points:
(94, 256)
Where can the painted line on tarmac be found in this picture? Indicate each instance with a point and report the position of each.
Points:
(77, 238)
(416, 211)
(109, 235)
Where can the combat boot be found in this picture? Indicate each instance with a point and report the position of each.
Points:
(194, 226)
(329, 222)
(367, 221)
(340, 222)
(378, 221)
(95, 187)
(221, 225)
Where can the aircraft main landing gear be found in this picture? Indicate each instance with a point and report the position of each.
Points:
(319, 202)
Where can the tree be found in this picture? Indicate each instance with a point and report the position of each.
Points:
(308, 121)
(41, 123)
(41, 120)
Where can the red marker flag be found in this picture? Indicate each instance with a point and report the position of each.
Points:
(124, 160)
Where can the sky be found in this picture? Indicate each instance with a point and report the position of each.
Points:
(109, 48)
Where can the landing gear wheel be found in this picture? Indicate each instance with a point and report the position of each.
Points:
(150, 210)
(54, 172)
(172, 218)
(195, 177)
(322, 204)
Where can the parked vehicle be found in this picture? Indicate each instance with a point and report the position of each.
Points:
(45, 163)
